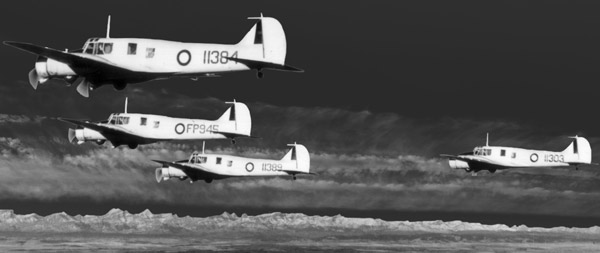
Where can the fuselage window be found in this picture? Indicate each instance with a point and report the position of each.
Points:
(502, 152)
(131, 48)
(156, 124)
(229, 163)
(149, 52)
(218, 160)
(514, 155)
(143, 121)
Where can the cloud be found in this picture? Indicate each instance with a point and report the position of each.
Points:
(364, 160)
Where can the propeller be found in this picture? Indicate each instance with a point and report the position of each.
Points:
(33, 79)
(72, 136)
(83, 86)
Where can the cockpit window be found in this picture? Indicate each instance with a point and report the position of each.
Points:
(197, 159)
(118, 120)
(92, 46)
(482, 151)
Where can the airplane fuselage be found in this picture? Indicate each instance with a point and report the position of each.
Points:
(152, 128)
(169, 57)
(510, 157)
(234, 166)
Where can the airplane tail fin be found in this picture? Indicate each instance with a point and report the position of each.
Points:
(239, 117)
(267, 39)
(578, 152)
(300, 154)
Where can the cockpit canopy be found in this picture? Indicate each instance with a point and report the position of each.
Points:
(95, 47)
(482, 151)
(116, 119)
(195, 158)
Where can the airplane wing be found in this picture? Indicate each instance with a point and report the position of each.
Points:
(467, 158)
(82, 64)
(194, 173)
(253, 64)
(115, 136)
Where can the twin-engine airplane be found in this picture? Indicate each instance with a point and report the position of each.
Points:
(494, 158)
(118, 62)
(209, 167)
(133, 129)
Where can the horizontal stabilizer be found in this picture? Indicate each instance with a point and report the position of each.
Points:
(235, 135)
(295, 172)
(252, 64)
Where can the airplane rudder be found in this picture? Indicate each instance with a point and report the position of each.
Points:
(275, 45)
(243, 118)
(303, 158)
(585, 150)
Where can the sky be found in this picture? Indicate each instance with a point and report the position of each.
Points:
(387, 87)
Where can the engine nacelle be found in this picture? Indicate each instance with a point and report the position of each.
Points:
(458, 164)
(48, 68)
(86, 134)
(168, 173)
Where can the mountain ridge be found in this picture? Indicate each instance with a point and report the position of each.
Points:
(146, 222)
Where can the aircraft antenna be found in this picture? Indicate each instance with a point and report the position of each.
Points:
(203, 147)
(126, 104)
(108, 28)
(487, 139)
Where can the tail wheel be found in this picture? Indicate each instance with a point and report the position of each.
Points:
(260, 74)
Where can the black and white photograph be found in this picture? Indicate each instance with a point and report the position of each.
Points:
(287, 126)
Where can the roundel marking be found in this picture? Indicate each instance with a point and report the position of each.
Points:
(184, 57)
(249, 167)
(179, 128)
(534, 157)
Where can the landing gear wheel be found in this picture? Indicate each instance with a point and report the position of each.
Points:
(119, 86)
(132, 146)
(208, 180)
(233, 141)
(259, 74)
(293, 177)
(100, 142)
(492, 171)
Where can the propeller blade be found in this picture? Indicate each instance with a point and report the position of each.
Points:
(158, 175)
(83, 87)
(72, 136)
(33, 79)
